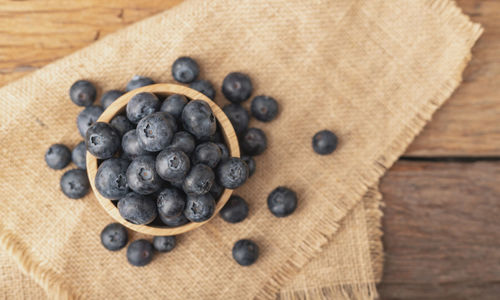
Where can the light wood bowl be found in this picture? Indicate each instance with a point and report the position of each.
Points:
(119, 106)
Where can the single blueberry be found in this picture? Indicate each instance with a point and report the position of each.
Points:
(110, 97)
(216, 191)
(141, 105)
(238, 116)
(142, 177)
(224, 151)
(282, 201)
(237, 87)
(137, 209)
(83, 93)
(183, 141)
(155, 132)
(87, 117)
(264, 108)
(111, 178)
(130, 145)
(121, 124)
(79, 155)
(207, 153)
(102, 140)
(235, 210)
(253, 142)
(57, 156)
(172, 164)
(174, 221)
(245, 252)
(250, 163)
(75, 183)
(232, 173)
(140, 253)
(185, 69)
(324, 142)
(164, 243)
(205, 87)
(199, 180)
(138, 81)
(171, 202)
(199, 208)
(174, 104)
(198, 119)
(114, 236)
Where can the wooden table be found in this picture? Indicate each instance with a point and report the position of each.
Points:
(442, 213)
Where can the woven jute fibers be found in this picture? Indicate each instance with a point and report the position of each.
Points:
(372, 71)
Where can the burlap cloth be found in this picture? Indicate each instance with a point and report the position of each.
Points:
(372, 71)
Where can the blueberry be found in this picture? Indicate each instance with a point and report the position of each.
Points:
(121, 124)
(199, 208)
(141, 105)
(111, 178)
(199, 180)
(172, 164)
(57, 156)
(110, 97)
(250, 163)
(324, 142)
(174, 221)
(130, 145)
(185, 69)
(198, 119)
(216, 191)
(183, 141)
(87, 117)
(114, 236)
(282, 201)
(75, 183)
(142, 177)
(102, 140)
(238, 116)
(264, 108)
(137, 82)
(171, 202)
(140, 253)
(232, 173)
(235, 210)
(78, 155)
(205, 87)
(224, 151)
(174, 104)
(164, 243)
(253, 142)
(82, 93)
(237, 87)
(137, 209)
(245, 252)
(207, 153)
(155, 131)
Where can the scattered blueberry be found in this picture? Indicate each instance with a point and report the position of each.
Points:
(138, 81)
(207, 153)
(199, 180)
(130, 145)
(183, 141)
(114, 236)
(264, 108)
(172, 164)
(171, 202)
(235, 210)
(174, 221)
(137, 209)
(140, 253)
(199, 208)
(205, 87)
(174, 104)
(142, 177)
(250, 163)
(141, 105)
(121, 124)
(253, 142)
(198, 119)
(237, 87)
(57, 156)
(111, 178)
(282, 201)
(164, 243)
(232, 173)
(79, 154)
(324, 142)
(155, 131)
(185, 69)
(110, 97)
(75, 183)
(245, 252)
(216, 191)
(87, 117)
(224, 151)
(102, 140)
(238, 116)
(83, 93)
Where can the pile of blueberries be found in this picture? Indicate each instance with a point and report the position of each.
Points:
(164, 161)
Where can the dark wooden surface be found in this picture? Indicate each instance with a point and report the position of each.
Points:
(442, 219)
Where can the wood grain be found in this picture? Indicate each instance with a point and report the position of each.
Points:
(441, 231)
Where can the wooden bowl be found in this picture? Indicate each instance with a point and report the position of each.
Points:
(163, 89)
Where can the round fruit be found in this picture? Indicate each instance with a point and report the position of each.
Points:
(245, 252)
(199, 208)
(238, 116)
(207, 153)
(82, 93)
(155, 131)
(87, 117)
(75, 183)
(235, 210)
(109, 97)
(264, 108)
(114, 236)
(282, 202)
(164, 243)
(140, 253)
(137, 209)
(253, 142)
(324, 142)
(172, 164)
(185, 69)
(142, 177)
(57, 156)
(205, 87)
(111, 178)
(237, 87)
(198, 119)
(79, 155)
(138, 81)
(199, 180)
(130, 145)
(141, 105)
(102, 140)
(232, 173)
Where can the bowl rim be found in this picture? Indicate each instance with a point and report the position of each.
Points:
(162, 89)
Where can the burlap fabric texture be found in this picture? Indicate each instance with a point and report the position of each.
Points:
(372, 71)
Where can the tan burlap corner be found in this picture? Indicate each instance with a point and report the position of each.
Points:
(373, 71)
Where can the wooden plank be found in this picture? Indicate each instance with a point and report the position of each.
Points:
(441, 231)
